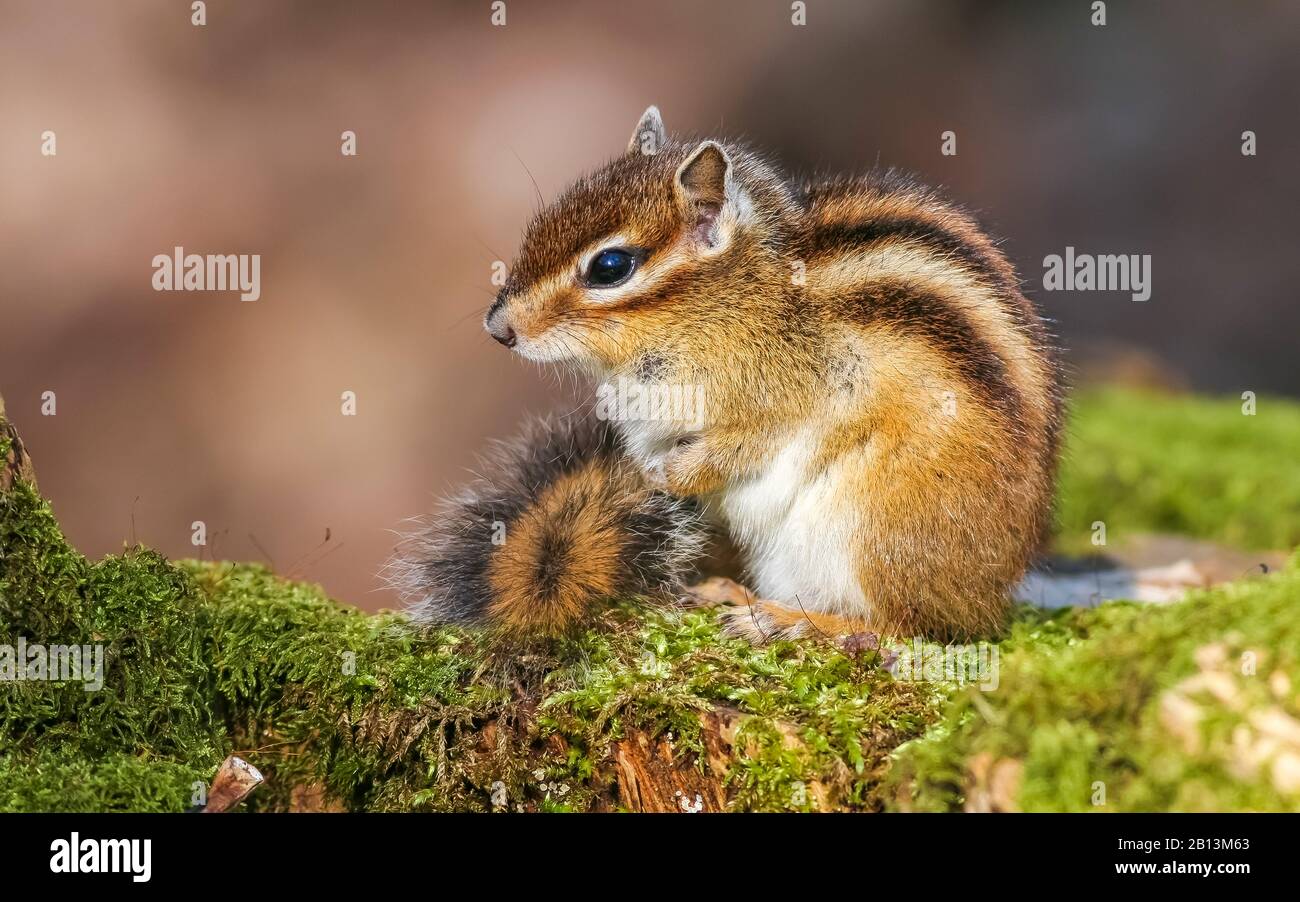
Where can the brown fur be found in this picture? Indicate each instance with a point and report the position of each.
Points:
(864, 322)
(546, 584)
(559, 523)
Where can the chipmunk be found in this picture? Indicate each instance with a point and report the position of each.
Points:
(881, 405)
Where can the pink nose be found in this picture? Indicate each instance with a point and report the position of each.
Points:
(503, 334)
(498, 326)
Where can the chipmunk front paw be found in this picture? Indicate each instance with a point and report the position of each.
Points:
(688, 469)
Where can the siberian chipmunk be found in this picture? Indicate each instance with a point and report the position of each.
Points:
(878, 412)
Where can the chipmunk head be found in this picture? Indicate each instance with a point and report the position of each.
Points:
(666, 239)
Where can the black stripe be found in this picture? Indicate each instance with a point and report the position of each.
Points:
(937, 321)
(842, 238)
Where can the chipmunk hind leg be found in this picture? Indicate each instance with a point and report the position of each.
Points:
(758, 620)
(766, 621)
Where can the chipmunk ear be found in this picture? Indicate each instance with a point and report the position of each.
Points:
(705, 184)
(649, 135)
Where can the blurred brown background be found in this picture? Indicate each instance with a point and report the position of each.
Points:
(175, 407)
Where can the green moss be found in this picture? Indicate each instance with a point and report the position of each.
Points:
(1192, 706)
(63, 779)
(356, 711)
(209, 659)
(141, 611)
(1145, 462)
(812, 716)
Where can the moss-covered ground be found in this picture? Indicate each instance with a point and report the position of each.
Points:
(1154, 463)
(1191, 706)
(1122, 707)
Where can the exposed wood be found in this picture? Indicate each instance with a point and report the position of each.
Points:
(654, 776)
(17, 463)
(235, 779)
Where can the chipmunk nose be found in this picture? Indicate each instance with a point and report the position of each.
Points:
(498, 327)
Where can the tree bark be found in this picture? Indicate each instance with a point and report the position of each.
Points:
(17, 463)
(652, 778)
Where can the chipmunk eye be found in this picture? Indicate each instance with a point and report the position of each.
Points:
(610, 267)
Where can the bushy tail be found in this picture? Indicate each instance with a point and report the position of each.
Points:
(559, 523)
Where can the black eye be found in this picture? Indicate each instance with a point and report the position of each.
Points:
(610, 267)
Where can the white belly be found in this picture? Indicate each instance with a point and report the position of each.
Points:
(799, 538)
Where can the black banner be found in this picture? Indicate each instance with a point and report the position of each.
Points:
(330, 851)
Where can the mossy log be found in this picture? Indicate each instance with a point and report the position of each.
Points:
(1185, 706)
(340, 710)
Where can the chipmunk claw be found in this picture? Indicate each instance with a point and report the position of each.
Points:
(743, 615)
(763, 621)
